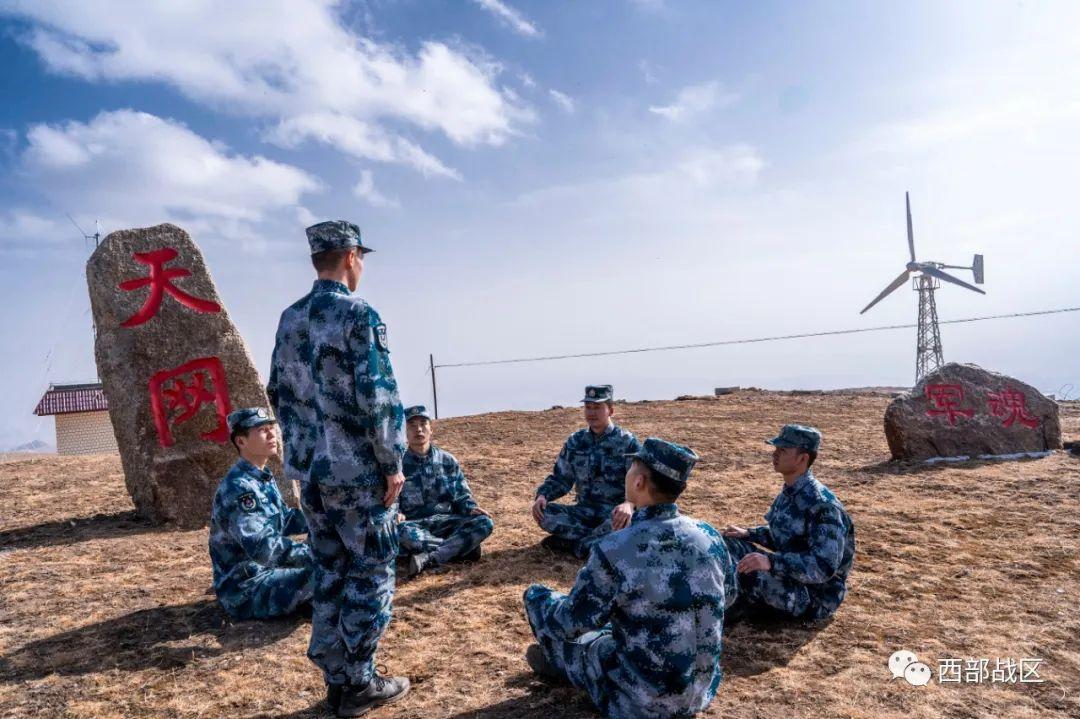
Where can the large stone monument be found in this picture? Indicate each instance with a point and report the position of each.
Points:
(173, 366)
(962, 410)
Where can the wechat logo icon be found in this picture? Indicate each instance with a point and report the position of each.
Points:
(905, 665)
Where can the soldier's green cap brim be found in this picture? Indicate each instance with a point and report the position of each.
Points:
(781, 443)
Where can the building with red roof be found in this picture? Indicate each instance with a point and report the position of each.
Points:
(82, 418)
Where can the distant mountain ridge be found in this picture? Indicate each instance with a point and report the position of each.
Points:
(35, 446)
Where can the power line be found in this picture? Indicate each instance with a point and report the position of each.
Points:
(750, 340)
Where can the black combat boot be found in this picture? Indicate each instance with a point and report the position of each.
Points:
(358, 701)
(557, 544)
(333, 696)
(540, 665)
(416, 564)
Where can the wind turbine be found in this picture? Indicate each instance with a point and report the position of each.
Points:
(927, 279)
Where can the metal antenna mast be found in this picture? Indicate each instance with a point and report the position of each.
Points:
(96, 237)
(928, 355)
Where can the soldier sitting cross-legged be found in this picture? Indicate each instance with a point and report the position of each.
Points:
(641, 629)
(809, 540)
(593, 462)
(259, 572)
(439, 520)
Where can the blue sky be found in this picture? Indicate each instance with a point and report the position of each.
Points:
(544, 178)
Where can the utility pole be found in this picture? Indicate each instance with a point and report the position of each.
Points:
(434, 388)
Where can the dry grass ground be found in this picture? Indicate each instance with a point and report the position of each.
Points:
(102, 615)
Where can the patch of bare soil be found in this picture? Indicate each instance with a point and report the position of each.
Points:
(104, 615)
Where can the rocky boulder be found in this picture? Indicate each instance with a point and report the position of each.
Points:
(172, 366)
(962, 410)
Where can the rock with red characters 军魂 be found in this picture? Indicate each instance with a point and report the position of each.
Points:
(963, 410)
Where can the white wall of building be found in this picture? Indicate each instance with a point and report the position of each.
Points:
(85, 433)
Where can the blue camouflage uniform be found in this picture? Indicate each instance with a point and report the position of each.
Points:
(811, 540)
(438, 505)
(259, 572)
(641, 629)
(336, 398)
(594, 465)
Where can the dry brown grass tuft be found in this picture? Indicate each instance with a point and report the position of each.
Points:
(103, 615)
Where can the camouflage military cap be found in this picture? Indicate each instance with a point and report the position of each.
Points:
(335, 235)
(797, 435)
(247, 418)
(418, 410)
(599, 393)
(674, 461)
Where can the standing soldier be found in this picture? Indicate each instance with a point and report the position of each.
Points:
(259, 573)
(334, 392)
(594, 461)
(641, 629)
(808, 532)
(439, 521)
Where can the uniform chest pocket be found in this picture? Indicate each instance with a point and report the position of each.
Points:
(614, 466)
(380, 539)
(581, 463)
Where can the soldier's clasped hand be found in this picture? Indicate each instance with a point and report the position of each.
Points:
(754, 562)
(737, 532)
(621, 515)
(538, 508)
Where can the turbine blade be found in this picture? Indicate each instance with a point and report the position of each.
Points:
(910, 232)
(892, 286)
(949, 278)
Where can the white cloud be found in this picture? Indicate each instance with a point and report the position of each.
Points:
(130, 168)
(22, 227)
(563, 101)
(509, 17)
(358, 138)
(1018, 116)
(695, 100)
(279, 60)
(365, 190)
(666, 194)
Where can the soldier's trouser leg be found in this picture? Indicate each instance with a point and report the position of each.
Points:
(739, 548)
(767, 589)
(354, 541)
(586, 542)
(415, 537)
(586, 661)
(570, 521)
(276, 592)
(463, 534)
(445, 536)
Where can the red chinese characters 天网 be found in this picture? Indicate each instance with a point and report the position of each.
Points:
(946, 400)
(1012, 405)
(160, 282)
(176, 395)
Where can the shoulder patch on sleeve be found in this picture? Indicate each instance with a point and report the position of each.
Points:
(247, 502)
(380, 337)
